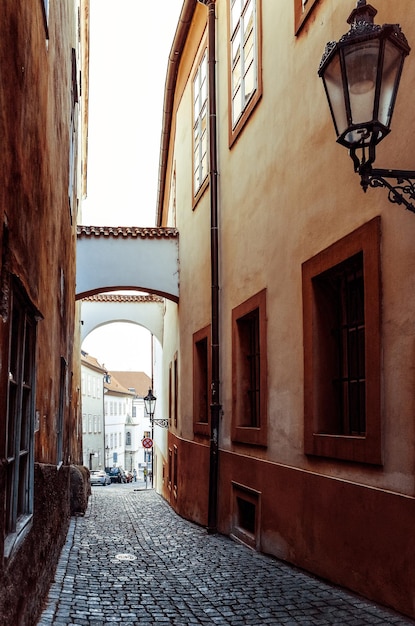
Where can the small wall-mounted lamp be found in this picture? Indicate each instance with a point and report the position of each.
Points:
(150, 404)
(361, 74)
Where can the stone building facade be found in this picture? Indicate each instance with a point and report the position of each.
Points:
(43, 120)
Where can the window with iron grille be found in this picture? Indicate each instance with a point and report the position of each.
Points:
(342, 312)
(20, 417)
(250, 371)
(343, 289)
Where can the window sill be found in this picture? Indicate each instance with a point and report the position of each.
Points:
(345, 448)
(201, 428)
(249, 435)
(14, 540)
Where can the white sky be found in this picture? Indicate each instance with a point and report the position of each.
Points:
(130, 41)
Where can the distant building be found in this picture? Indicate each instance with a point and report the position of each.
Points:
(93, 425)
(138, 426)
(118, 408)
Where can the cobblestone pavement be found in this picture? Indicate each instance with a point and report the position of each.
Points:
(132, 560)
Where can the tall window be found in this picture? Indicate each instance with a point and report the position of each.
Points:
(175, 470)
(128, 438)
(201, 381)
(170, 392)
(302, 9)
(45, 8)
(60, 419)
(200, 125)
(176, 388)
(249, 370)
(20, 417)
(245, 77)
(341, 300)
(340, 293)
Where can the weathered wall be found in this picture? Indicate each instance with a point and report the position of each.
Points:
(37, 244)
(26, 583)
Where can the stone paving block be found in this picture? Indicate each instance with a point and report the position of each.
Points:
(183, 576)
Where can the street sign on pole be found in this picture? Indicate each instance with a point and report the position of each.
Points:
(147, 442)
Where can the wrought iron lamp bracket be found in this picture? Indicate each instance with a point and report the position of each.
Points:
(163, 423)
(400, 193)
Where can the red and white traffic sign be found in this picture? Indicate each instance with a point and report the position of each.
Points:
(147, 442)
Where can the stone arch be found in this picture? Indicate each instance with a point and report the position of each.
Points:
(145, 310)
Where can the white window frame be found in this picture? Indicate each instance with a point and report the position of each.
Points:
(239, 15)
(200, 124)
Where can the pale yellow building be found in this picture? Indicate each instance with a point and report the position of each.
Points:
(314, 460)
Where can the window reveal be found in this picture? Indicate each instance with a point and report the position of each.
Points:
(342, 348)
(249, 371)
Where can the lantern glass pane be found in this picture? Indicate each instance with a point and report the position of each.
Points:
(333, 82)
(361, 63)
(390, 76)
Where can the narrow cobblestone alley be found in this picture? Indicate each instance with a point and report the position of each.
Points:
(132, 560)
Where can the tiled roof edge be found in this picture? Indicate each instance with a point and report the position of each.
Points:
(126, 232)
(105, 297)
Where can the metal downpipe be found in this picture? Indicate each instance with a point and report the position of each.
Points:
(215, 406)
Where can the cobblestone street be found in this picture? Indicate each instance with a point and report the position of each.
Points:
(132, 560)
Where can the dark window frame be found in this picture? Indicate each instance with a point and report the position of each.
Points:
(318, 364)
(202, 377)
(249, 425)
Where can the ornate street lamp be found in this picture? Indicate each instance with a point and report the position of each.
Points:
(150, 406)
(361, 74)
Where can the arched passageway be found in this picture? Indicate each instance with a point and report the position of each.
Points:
(145, 310)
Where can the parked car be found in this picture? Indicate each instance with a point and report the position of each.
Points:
(99, 477)
(117, 475)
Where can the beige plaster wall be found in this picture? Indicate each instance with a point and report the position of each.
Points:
(287, 190)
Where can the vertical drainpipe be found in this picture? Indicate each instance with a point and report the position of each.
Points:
(215, 406)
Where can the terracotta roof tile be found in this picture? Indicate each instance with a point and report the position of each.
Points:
(91, 361)
(114, 386)
(134, 380)
(126, 232)
(108, 297)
